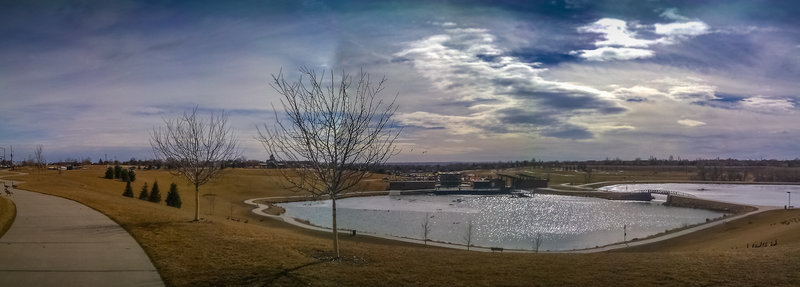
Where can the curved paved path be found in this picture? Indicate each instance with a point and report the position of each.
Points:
(59, 242)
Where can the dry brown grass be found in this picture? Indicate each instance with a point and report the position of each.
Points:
(8, 211)
(781, 226)
(266, 252)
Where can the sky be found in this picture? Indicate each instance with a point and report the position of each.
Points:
(474, 80)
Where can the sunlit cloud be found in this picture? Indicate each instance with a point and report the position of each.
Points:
(768, 105)
(691, 123)
(620, 40)
(467, 64)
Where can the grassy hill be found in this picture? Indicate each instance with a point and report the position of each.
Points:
(253, 251)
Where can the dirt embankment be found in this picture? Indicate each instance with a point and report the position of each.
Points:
(640, 196)
(691, 202)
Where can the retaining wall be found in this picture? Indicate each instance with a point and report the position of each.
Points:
(691, 202)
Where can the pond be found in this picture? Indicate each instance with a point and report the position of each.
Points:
(751, 194)
(560, 222)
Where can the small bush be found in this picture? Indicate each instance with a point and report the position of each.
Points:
(155, 194)
(143, 195)
(110, 173)
(128, 190)
(131, 176)
(173, 198)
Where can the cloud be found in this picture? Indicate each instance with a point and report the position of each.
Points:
(692, 92)
(675, 32)
(615, 32)
(614, 54)
(767, 105)
(508, 96)
(672, 14)
(691, 123)
(620, 40)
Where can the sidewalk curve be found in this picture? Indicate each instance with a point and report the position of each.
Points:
(59, 242)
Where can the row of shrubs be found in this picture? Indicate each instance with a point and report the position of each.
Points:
(154, 195)
(117, 172)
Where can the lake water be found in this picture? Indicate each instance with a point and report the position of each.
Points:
(561, 222)
(753, 194)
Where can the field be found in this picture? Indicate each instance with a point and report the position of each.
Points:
(252, 251)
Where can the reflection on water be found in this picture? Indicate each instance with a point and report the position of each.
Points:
(564, 222)
(754, 194)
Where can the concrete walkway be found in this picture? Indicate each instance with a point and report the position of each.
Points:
(59, 242)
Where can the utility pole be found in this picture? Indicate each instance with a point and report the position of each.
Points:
(4, 156)
(12, 156)
(790, 200)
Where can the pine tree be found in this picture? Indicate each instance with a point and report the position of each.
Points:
(128, 190)
(124, 175)
(117, 171)
(131, 176)
(143, 195)
(155, 194)
(173, 198)
(110, 173)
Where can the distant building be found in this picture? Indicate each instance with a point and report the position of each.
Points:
(523, 181)
(450, 179)
(489, 184)
(411, 185)
(271, 163)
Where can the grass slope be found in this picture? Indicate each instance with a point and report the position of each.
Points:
(266, 252)
(8, 212)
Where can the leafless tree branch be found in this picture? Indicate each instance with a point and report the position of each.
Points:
(332, 131)
(39, 155)
(199, 147)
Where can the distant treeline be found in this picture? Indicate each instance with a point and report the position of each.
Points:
(767, 170)
(701, 169)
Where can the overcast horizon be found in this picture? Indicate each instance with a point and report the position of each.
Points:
(476, 80)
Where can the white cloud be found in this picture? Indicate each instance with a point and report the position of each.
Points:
(767, 105)
(612, 54)
(672, 14)
(502, 95)
(692, 92)
(637, 90)
(691, 123)
(616, 33)
(621, 41)
(457, 125)
(674, 32)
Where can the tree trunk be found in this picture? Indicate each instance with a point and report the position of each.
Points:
(335, 229)
(196, 202)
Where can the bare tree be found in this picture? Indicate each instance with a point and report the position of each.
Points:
(198, 147)
(332, 133)
(426, 228)
(468, 232)
(38, 153)
(537, 242)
